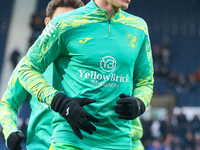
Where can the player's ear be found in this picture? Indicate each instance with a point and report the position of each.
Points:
(47, 20)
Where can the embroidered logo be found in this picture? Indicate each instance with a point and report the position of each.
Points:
(85, 40)
(132, 40)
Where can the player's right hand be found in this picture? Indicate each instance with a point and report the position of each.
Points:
(71, 109)
(14, 140)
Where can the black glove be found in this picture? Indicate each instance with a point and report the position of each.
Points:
(14, 140)
(71, 109)
(128, 107)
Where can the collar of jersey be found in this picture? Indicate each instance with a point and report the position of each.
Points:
(92, 7)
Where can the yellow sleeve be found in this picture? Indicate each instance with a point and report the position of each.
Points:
(8, 118)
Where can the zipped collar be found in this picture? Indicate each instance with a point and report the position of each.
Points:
(92, 7)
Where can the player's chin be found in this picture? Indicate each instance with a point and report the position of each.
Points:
(124, 7)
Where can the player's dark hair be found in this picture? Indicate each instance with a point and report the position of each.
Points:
(54, 4)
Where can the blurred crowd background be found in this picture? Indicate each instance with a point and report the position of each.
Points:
(172, 122)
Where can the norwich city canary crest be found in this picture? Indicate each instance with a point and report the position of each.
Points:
(132, 40)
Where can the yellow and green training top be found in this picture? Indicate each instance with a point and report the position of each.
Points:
(96, 57)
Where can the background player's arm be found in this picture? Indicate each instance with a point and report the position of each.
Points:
(8, 118)
(137, 129)
(43, 52)
(136, 134)
(143, 73)
(12, 99)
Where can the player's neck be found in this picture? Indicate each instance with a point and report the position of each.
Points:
(103, 4)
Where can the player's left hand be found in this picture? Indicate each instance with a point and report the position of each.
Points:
(128, 107)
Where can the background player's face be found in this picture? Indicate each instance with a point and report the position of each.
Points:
(123, 4)
(58, 11)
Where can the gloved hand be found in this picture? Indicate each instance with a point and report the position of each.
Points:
(71, 109)
(128, 107)
(14, 140)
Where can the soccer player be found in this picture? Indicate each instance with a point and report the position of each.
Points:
(39, 128)
(51, 12)
(103, 75)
